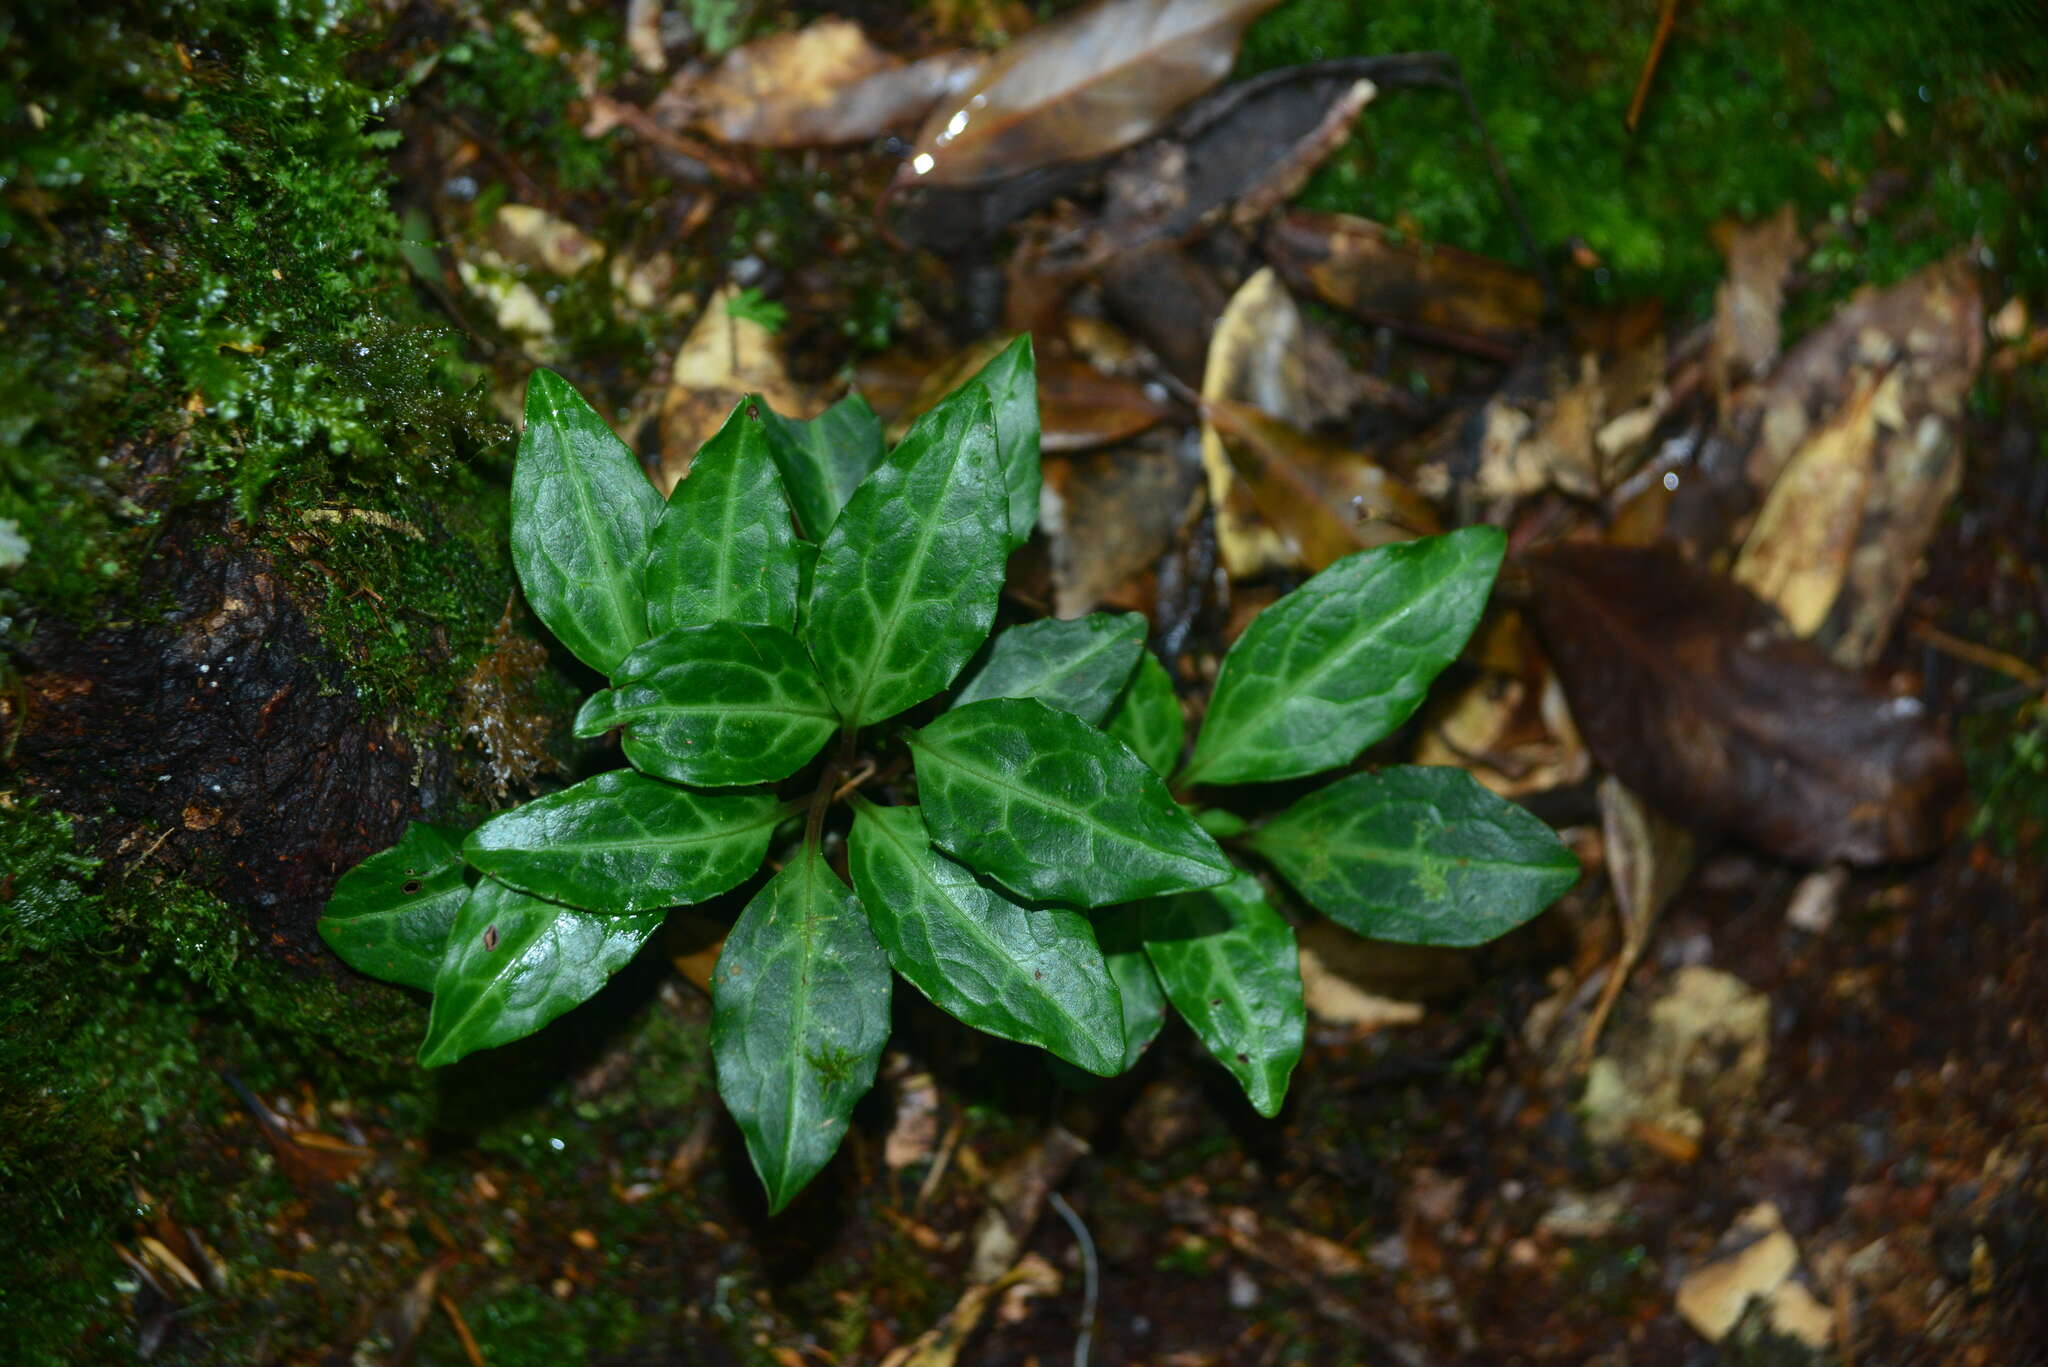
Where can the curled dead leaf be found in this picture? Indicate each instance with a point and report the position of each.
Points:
(1283, 498)
(1081, 87)
(817, 86)
(1436, 294)
(1691, 690)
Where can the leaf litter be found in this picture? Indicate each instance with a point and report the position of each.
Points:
(1670, 698)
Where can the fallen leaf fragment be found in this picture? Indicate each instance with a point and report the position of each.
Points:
(1297, 1252)
(1746, 306)
(1107, 517)
(307, 1157)
(1079, 407)
(1016, 1196)
(528, 236)
(940, 1345)
(1690, 689)
(1284, 499)
(817, 86)
(1335, 999)
(1855, 500)
(1324, 500)
(915, 1133)
(725, 358)
(1757, 1260)
(1081, 87)
(1648, 859)
(1436, 294)
(1931, 324)
(1699, 1053)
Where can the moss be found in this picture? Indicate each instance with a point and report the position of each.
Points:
(493, 80)
(201, 263)
(1749, 109)
(125, 995)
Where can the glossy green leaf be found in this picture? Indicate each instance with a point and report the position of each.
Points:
(1011, 378)
(1219, 823)
(389, 915)
(514, 963)
(623, 842)
(720, 704)
(1121, 933)
(800, 1012)
(1077, 666)
(1054, 810)
(583, 514)
(907, 579)
(1031, 976)
(1420, 856)
(1229, 965)
(1344, 659)
(724, 549)
(825, 459)
(1147, 716)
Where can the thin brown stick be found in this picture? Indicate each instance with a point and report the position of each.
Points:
(1665, 20)
(643, 125)
(937, 1172)
(454, 1313)
(1984, 657)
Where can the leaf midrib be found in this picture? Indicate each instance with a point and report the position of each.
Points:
(997, 954)
(649, 842)
(1039, 799)
(1276, 701)
(1410, 856)
(617, 596)
(801, 1007)
(905, 580)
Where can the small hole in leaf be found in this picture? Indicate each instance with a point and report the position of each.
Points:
(490, 937)
(412, 885)
(754, 410)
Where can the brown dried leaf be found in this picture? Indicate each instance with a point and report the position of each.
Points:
(1108, 517)
(1247, 148)
(1436, 294)
(724, 359)
(307, 1157)
(1931, 323)
(1081, 87)
(1746, 307)
(820, 85)
(1690, 690)
(1564, 418)
(940, 1345)
(1334, 998)
(1297, 1252)
(1857, 500)
(1510, 729)
(1079, 407)
(1283, 499)
(914, 1135)
(1324, 500)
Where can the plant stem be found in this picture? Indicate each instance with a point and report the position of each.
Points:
(823, 796)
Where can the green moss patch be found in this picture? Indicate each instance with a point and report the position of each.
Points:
(1751, 107)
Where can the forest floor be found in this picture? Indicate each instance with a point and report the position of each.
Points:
(284, 280)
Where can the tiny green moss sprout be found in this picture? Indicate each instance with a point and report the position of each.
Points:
(800, 672)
